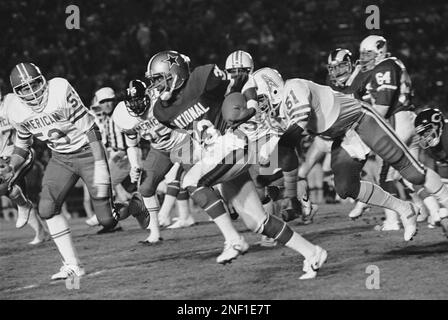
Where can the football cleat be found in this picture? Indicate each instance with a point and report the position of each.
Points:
(181, 223)
(409, 221)
(358, 210)
(93, 221)
(138, 210)
(23, 214)
(313, 264)
(232, 250)
(67, 271)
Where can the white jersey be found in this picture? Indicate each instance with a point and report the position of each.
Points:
(62, 124)
(7, 134)
(316, 108)
(148, 128)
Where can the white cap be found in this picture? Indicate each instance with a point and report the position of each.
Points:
(104, 94)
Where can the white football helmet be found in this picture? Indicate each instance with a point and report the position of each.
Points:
(239, 61)
(270, 85)
(372, 50)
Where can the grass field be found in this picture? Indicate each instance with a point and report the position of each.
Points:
(183, 266)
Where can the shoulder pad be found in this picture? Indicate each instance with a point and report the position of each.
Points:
(122, 118)
(58, 83)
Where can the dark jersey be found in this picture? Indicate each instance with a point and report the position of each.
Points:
(439, 153)
(356, 85)
(198, 105)
(390, 85)
(200, 99)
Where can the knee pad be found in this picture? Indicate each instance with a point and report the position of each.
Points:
(414, 176)
(208, 200)
(48, 209)
(277, 229)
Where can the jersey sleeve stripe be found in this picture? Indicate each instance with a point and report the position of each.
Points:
(80, 116)
(73, 114)
(386, 86)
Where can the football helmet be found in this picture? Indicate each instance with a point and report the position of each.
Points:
(239, 62)
(270, 86)
(29, 85)
(372, 50)
(167, 71)
(136, 100)
(429, 125)
(339, 66)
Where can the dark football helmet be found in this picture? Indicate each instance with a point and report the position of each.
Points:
(167, 71)
(29, 85)
(429, 125)
(340, 66)
(136, 100)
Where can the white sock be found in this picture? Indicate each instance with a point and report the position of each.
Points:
(301, 245)
(433, 207)
(183, 208)
(60, 233)
(152, 204)
(226, 227)
(167, 205)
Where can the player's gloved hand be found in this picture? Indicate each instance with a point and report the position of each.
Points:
(101, 178)
(134, 174)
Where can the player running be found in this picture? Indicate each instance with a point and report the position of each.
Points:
(356, 130)
(432, 128)
(53, 112)
(134, 116)
(192, 103)
(13, 184)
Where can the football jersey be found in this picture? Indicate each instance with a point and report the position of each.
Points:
(148, 128)
(62, 124)
(317, 108)
(197, 108)
(7, 134)
(390, 85)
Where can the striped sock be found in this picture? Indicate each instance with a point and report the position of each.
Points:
(60, 233)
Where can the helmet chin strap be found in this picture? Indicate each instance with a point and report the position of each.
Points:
(167, 94)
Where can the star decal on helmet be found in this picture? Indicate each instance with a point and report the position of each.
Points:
(171, 60)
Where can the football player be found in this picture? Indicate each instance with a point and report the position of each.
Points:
(13, 184)
(431, 126)
(52, 111)
(356, 130)
(389, 90)
(134, 116)
(192, 103)
(241, 63)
